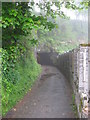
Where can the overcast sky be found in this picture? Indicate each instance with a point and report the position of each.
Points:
(71, 13)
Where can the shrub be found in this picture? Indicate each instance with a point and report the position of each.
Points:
(19, 72)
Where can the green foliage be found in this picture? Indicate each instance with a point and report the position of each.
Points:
(9, 59)
(74, 105)
(66, 37)
(85, 4)
(19, 67)
(18, 19)
(17, 79)
(81, 105)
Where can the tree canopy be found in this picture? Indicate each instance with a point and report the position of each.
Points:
(18, 18)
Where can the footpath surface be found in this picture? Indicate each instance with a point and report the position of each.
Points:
(50, 98)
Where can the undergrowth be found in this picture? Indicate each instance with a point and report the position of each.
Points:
(17, 78)
(74, 107)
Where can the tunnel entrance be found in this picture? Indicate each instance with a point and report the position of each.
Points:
(44, 58)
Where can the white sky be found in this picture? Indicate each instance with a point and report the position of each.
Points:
(70, 13)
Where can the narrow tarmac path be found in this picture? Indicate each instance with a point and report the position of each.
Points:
(50, 98)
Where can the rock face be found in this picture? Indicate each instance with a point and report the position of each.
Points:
(75, 66)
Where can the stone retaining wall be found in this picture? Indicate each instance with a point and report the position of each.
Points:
(75, 67)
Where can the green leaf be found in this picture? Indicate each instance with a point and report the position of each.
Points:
(4, 26)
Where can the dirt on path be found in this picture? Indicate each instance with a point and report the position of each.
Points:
(50, 98)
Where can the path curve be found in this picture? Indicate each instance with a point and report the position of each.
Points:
(51, 98)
